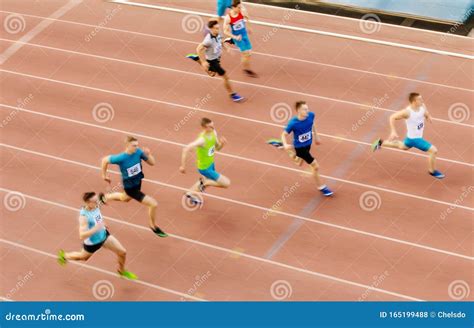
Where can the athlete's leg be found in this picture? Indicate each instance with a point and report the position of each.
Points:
(394, 144)
(227, 85)
(82, 255)
(118, 196)
(433, 151)
(115, 246)
(152, 204)
(315, 169)
(246, 60)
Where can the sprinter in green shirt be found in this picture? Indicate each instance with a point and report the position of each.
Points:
(206, 144)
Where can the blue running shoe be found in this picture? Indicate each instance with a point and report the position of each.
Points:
(326, 191)
(236, 97)
(275, 143)
(437, 174)
(193, 57)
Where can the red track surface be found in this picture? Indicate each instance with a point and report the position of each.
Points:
(325, 249)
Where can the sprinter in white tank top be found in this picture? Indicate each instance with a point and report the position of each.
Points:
(414, 115)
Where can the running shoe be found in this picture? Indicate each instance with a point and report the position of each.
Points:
(437, 174)
(326, 191)
(275, 143)
(236, 97)
(202, 187)
(128, 275)
(195, 201)
(377, 144)
(159, 232)
(102, 199)
(62, 257)
(250, 73)
(194, 57)
(229, 41)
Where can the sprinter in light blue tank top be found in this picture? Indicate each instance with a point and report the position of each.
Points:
(95, 235)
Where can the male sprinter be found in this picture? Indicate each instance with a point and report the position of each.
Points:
(236, 27)
(206, 144)
(414, 115)
(302, 127)
(209, 56)
(95, 236)
(222, 6)
(130, 163)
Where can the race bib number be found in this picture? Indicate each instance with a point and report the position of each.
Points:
(98, 218)
(304, 137)
(134, 170)
(239, 25)
(211, 151)
(420, 126)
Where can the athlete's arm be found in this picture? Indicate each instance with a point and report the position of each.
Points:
(317, 140)
(196, 143)
(201, 50)
(428, 116)
(221, 142)
(86, 233)
(228, 30)
(400, 115)
(286, 145)
(150, 158)
(105, 166)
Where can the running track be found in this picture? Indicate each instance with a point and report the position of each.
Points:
(271, 225)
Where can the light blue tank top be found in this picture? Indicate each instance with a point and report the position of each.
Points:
(93, 217)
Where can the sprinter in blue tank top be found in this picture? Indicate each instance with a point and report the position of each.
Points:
(95, 235)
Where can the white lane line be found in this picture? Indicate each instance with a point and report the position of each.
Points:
(307, 30)
(217, 113)
(371, 107)
(21, 109)
(355, 20)
(270, 165)
(10, 51)
(90, 267)
(4, 299)
(389, 76)
(231, 251)
(261, 208)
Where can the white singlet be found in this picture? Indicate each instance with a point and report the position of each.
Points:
(415, 122)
